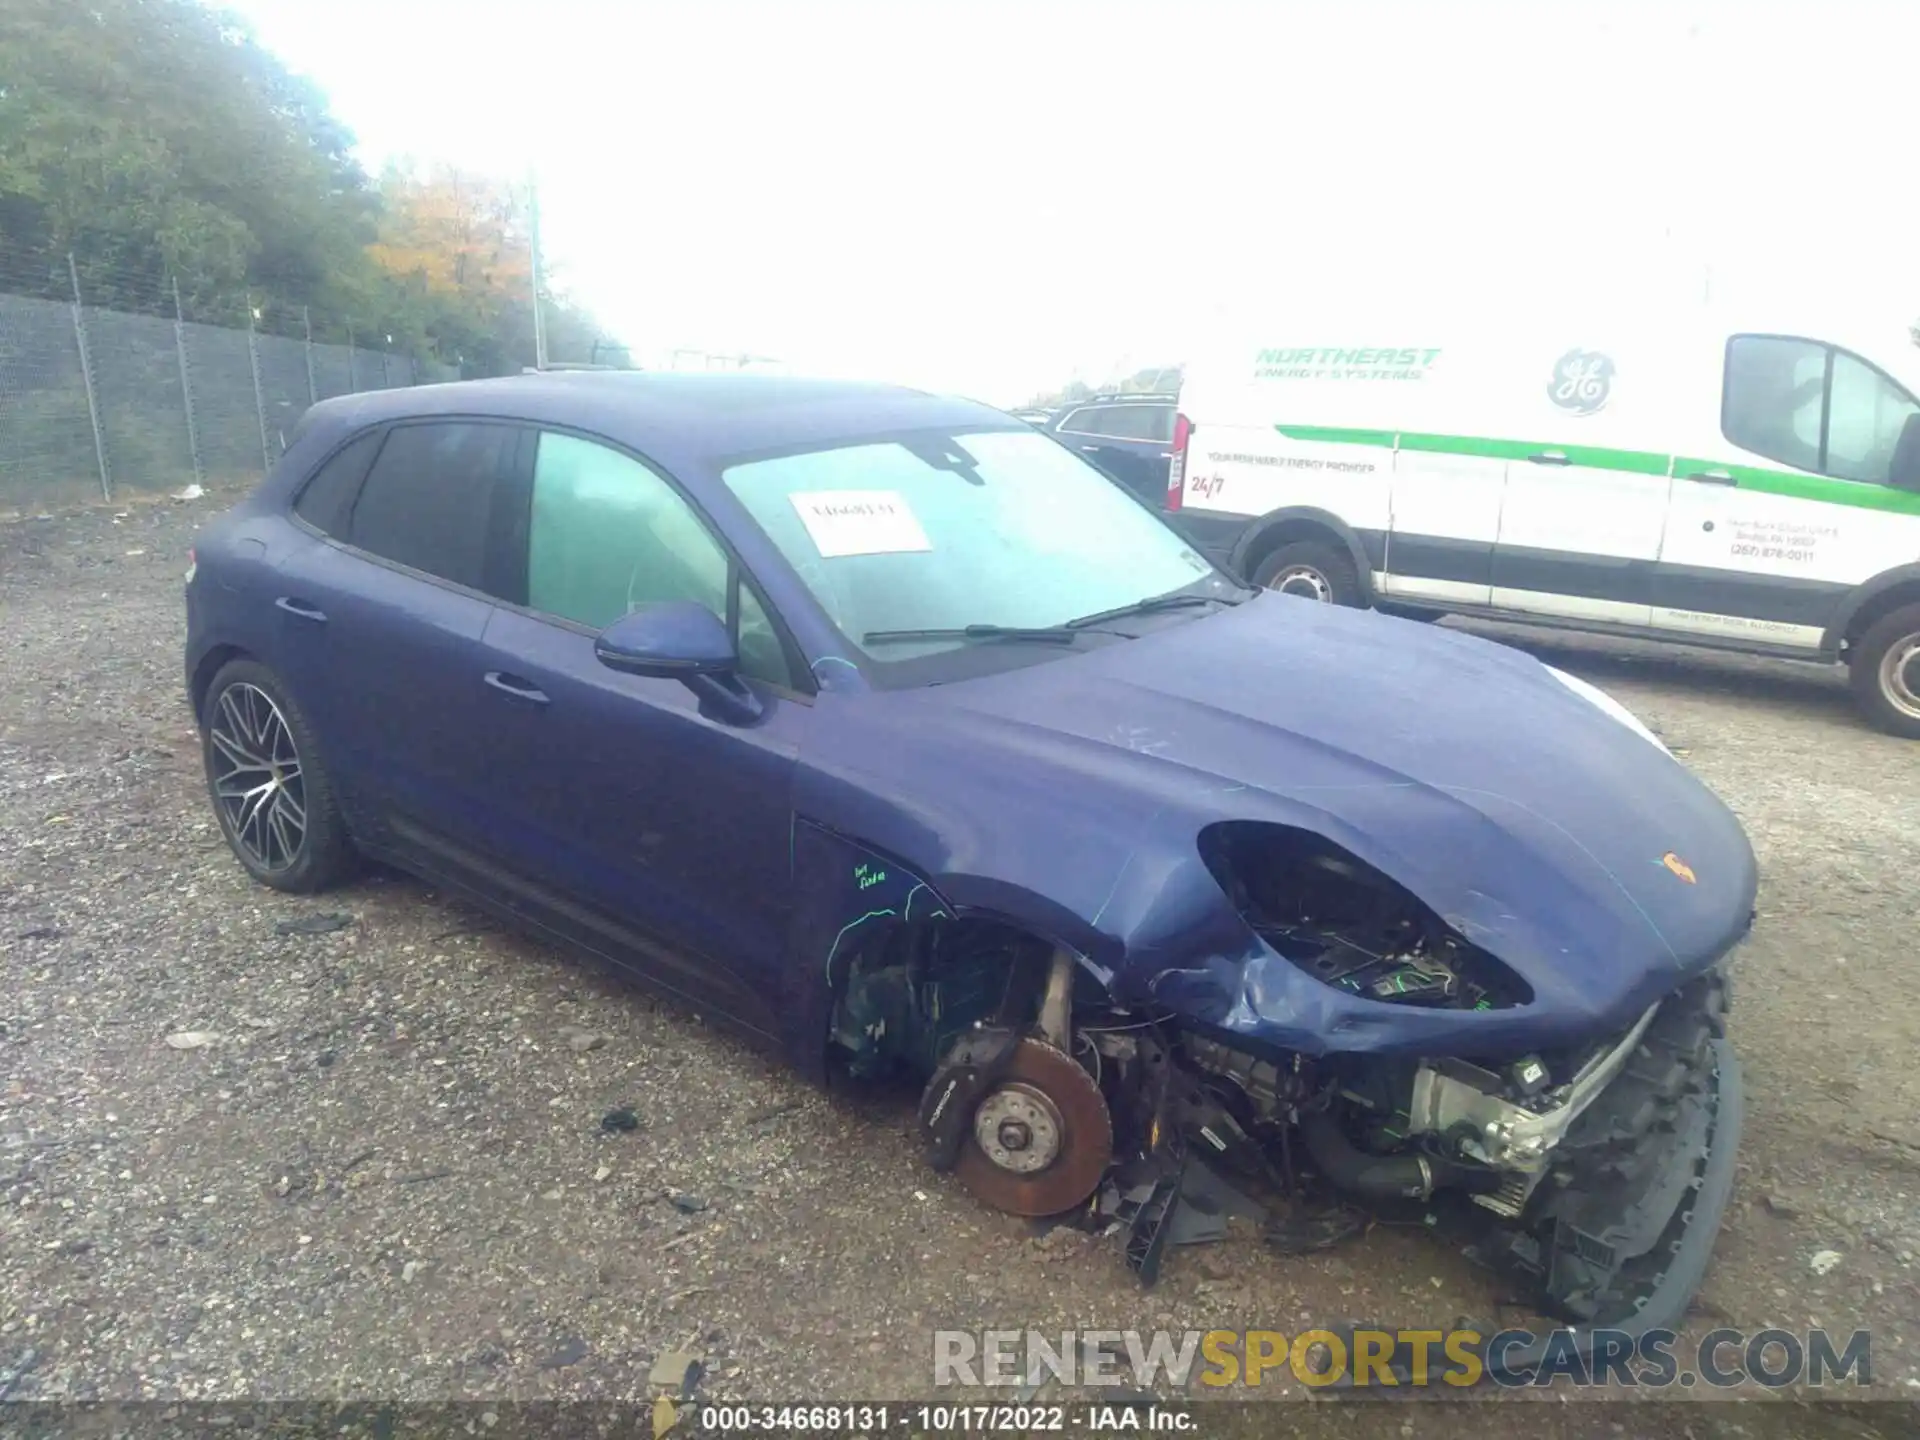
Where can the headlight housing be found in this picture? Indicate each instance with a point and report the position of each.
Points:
(1607, 703)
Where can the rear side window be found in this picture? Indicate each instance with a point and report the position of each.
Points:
(326, 501)
(429, 500)
(1146, 422)
(1124, 422)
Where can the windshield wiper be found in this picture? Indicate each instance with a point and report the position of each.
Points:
(1148, 607)
(1045, 634)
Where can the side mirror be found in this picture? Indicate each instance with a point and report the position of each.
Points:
(681, 640)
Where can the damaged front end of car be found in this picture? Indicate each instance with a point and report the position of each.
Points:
(1591, 1168)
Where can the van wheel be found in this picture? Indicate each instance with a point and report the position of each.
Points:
(1885, 671)
(1312, 571)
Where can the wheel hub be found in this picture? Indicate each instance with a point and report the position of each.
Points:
(1041, 1139)
(1304, 581)
(1018, 1128)
(1900, 676)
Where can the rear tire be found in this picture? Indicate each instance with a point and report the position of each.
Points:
(1884, 668)
(271, 794)
(1313, 571)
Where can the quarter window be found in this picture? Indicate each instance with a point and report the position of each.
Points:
(326, 501)
(429, 502)
(1813, 407)
(607, 535)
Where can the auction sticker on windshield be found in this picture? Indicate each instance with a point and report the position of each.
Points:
(859, 522)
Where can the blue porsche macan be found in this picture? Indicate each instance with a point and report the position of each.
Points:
(885, 730)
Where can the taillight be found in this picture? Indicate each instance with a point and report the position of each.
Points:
(1177, 471)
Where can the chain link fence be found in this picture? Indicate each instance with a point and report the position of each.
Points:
(110, 400)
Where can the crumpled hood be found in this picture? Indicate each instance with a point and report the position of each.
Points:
(1530, 820)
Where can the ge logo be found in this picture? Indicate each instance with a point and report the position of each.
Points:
(1582, 381)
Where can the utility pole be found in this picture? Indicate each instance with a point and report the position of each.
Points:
(539, 318)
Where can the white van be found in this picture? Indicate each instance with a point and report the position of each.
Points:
(1746, 481)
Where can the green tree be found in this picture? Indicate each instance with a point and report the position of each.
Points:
(156, 140)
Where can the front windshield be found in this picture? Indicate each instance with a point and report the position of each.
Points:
(939, 531)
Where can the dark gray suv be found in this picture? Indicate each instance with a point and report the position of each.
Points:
(1128, 436)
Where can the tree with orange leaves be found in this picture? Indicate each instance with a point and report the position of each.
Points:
(456, 248)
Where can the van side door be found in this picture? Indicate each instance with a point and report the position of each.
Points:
(1580, 534)
(1445, 518)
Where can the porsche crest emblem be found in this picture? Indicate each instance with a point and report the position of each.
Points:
(1678, 866)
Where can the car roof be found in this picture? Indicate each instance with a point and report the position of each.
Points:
(689, 422)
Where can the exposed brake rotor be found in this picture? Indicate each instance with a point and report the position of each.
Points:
(1040, 1139)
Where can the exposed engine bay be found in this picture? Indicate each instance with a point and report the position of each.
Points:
(1573, 1170)
(1348, 925)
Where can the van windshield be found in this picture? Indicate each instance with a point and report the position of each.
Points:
(938, 532)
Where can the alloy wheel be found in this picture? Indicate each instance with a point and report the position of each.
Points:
(256, 777)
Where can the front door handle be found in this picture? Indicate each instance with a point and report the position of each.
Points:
(302, 609)
(1090, 448)
(1550, 457)
(1712, 477)
(516, 687)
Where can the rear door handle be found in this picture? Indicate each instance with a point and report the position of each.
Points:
(1090, 448)
(513, 685)
(1712, 477)
(302, 609)
(1550, 457)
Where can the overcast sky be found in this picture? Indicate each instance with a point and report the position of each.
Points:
(992, 198)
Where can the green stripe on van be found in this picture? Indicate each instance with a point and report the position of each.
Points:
(1638, 462)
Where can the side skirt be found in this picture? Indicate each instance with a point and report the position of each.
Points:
(1694, 638)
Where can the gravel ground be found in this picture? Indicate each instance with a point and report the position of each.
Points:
(385, 1173)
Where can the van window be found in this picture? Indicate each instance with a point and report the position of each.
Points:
(1775, 391)
(1865, 416)
(1812, 406)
